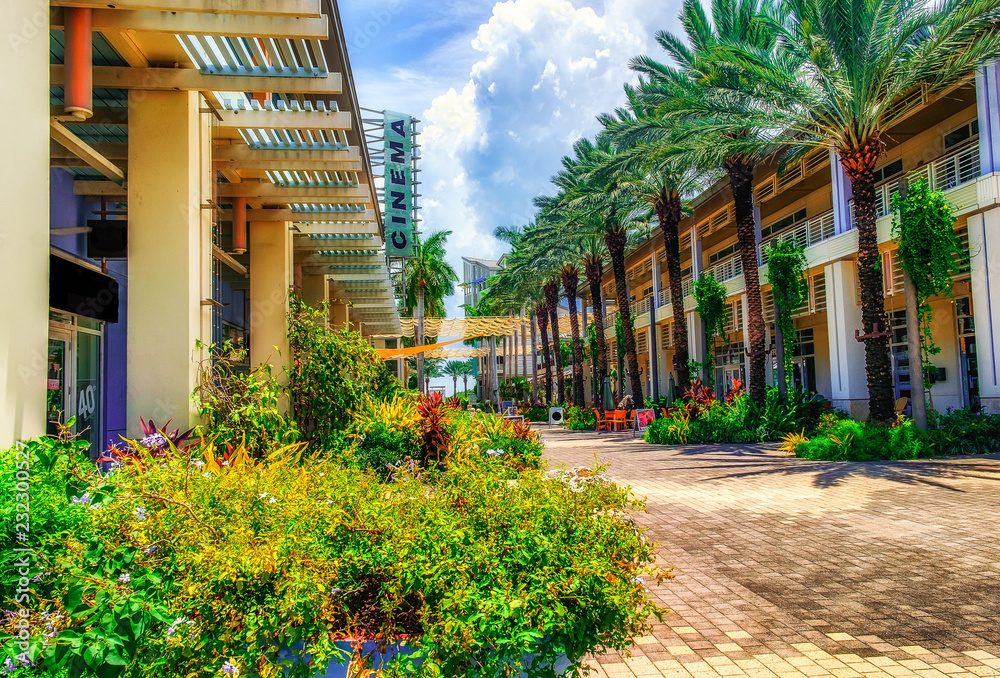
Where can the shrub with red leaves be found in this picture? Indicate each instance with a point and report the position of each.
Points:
(699, 398)
(434, 413)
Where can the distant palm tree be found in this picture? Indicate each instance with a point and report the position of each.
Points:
(467, 371)
(455, 369)
(428, 278)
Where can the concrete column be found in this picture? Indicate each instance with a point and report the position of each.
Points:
(756, 232)
(746, 339)
(848, 379)
(842, 194)
(315, 290)
(984, 245)
(24, 232)
(696, 255)
(988, 100)
(170, 255)
(340, 315)
(271, 275)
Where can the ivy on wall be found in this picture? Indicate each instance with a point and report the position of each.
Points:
(786, 263)
(711, 298)
(930, 253)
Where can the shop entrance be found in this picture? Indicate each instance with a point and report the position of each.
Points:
(75, 377)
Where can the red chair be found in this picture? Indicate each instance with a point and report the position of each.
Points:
(620, 420)
(602, 423)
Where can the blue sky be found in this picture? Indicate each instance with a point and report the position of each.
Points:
(503, 89)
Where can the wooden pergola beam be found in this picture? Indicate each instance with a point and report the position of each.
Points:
(190, 79)
(184, 23)
(307, 245)
(268, 192)
(107, 189)
(109, 151)
(103, 115)
(291, 8)
(322, 120)
(352, 220)
(243, 153)
(84, 151)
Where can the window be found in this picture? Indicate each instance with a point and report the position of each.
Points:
(893, 168)
(962, 134)
(783, 223)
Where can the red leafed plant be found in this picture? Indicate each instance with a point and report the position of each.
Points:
(434, 413)
(699, 398)
(735, 392)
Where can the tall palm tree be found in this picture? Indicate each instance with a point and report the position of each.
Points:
(429, 278)
(551, 289)
(455, 369)
(620, 210)
(667, 94)
(833, 81)
(660, 173)
(468, 369)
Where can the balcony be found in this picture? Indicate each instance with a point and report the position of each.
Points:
(726, 270)
(950, 171)
(803, 234)
(664, 299)
(642, 307)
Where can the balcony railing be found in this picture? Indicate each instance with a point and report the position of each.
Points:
(609, 319)
(947, 172)
(803, 234)
(728, 269)
(642, 306)
(665, 297)
(687, 286)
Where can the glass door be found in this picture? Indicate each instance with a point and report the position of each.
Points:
(58, 396)
(87, 381)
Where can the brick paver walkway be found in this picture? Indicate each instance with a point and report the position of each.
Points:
(787, 567)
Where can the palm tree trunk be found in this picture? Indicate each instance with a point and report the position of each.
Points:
(524, 352)
(570, 282)
(594, 271)
(552, 298)
(741, 183)
(542, 312)
(454, 387)
(668, 209)
(465, 382)
(534, 363)
(420, 337)
(859, 164)
(615, 240)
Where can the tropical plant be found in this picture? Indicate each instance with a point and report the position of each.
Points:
(454, 369)
(786, 262)
(711, 298)
(429, 279)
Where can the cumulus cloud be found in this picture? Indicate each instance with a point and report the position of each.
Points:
(540, 71)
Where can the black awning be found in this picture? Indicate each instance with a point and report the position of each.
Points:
(77, 289)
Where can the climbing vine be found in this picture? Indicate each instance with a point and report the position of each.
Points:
(711, 298)
(929, 251)
(785, 265)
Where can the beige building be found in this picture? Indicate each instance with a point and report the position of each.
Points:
(173, 171)
(953, 141)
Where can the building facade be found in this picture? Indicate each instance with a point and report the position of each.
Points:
(173, 176)
(954, 142)
(475, 273)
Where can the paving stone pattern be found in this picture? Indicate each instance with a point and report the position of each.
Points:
(787, 567)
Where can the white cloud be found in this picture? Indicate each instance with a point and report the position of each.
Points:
(537, 74)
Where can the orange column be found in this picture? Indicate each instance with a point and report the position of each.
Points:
(79, 96)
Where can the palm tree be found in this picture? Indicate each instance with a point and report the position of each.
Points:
(468, 369)
(661, 174)
(433, 369)
(455, 369)
(667, 95)
(620, 211)
(833, 81)
(429, 280)
(551, 289)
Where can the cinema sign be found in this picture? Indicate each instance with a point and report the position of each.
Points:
(398, 185)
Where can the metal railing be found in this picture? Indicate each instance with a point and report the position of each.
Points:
(687, 286)
(727, 269)
(665, 297)
(803, 234)
(642, 306)
(947, 172)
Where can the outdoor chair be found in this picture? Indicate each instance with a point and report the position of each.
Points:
(620, 420)
(601, 423)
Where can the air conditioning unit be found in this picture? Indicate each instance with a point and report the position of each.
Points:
(556, 416)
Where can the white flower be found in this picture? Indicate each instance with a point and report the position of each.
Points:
(124, 578)
(140, 513)
(272, 500)
(206, 474)
(84, 499)
(262, 495)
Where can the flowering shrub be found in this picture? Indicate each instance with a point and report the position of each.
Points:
(177, 567)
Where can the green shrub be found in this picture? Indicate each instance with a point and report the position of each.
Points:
(857, 441)
(176, 566)
(242, 406)
(579, 419)
(964, 432)
(537, 415)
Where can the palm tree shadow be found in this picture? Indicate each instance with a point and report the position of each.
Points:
(741, 461)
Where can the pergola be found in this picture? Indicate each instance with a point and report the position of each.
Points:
(287, 143)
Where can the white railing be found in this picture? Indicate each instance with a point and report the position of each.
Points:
(687, 286)
(803, 234)
(609, 319)
(665, 297)
(728, 269)
(642, 306)
(947, 172)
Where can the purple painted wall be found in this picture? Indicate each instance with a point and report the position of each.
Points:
(67, 210)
